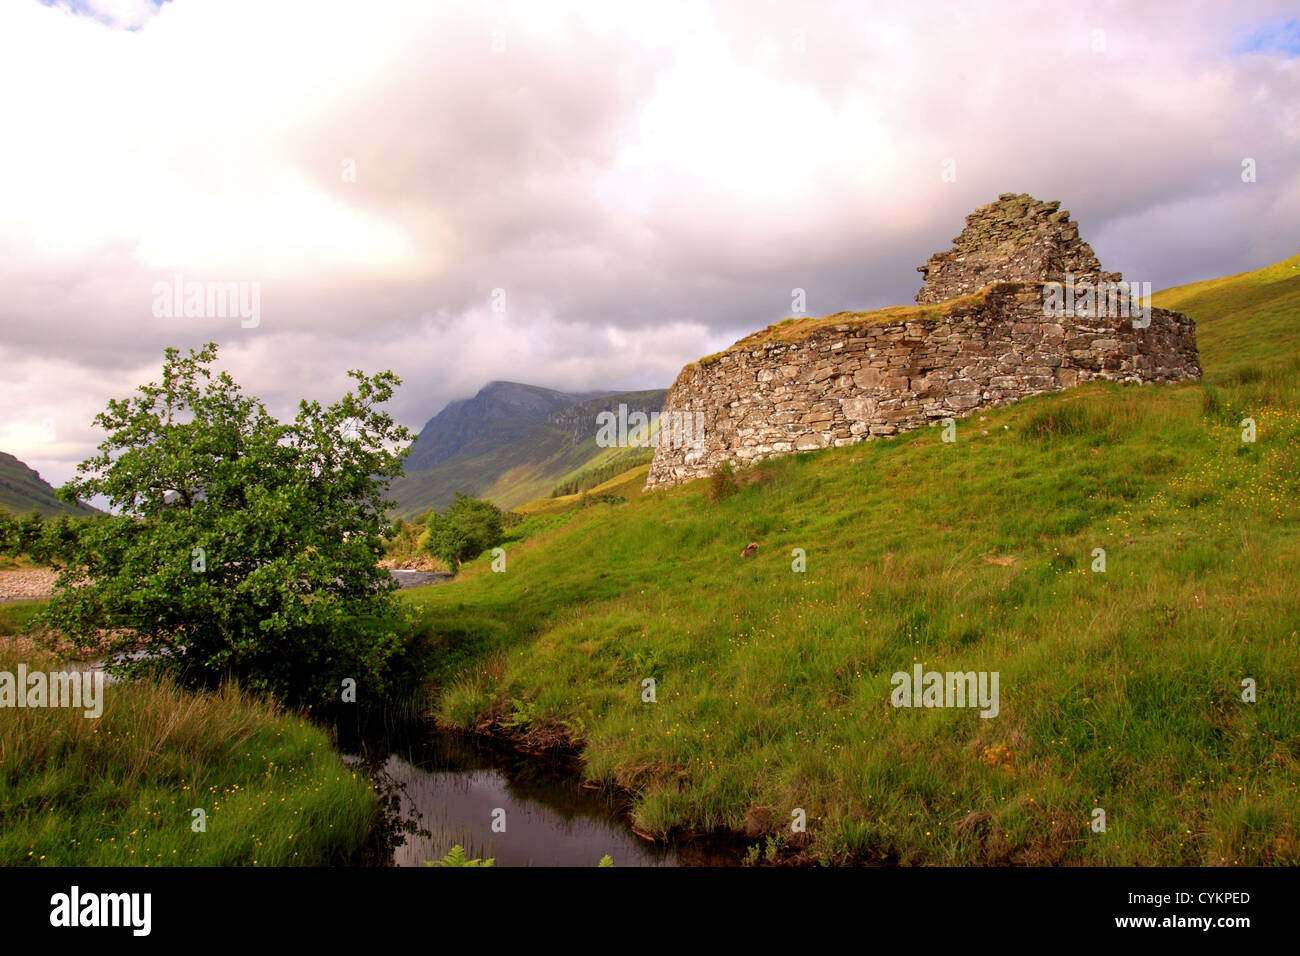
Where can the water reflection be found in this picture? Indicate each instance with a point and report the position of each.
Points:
(457, 784)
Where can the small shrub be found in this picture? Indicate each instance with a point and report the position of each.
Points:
(772, 847)
(1248, 374)
(467, 529)
(722, 483)
(1106, 421)
(1215, 407)
(604, 498)
(1060, 421)
(457, 858)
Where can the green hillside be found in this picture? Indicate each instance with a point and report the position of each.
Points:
(513, 461)
(1120, 690)
(627, 485)
(22, 491)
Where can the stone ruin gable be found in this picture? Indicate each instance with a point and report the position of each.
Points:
(1016, 239)
(878, 374)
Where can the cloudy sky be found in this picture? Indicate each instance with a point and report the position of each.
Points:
(644, 182)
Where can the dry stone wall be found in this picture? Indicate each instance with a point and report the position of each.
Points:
(877, 374)
(1016, 239)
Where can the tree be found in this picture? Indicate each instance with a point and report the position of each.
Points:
(239, 546)
(10, 539)
(35, 537)
(466, 530)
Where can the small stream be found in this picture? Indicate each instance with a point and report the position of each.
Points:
(415, 579)
(460, 784)
(459, 789)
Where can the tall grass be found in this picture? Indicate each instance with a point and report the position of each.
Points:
(120, 789)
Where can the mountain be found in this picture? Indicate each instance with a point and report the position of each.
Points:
(22, 491)
(500, 413)
(510, 443)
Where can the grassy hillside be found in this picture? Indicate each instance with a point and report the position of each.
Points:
(506, 474)
(22, 491)
(629, 484)
(1120, 689)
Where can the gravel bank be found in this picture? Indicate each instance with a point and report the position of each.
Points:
(26, 585)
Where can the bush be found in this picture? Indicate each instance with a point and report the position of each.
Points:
(1061, 421)
(240, 547)
(722, 483)
(466, 530)
(403, 542)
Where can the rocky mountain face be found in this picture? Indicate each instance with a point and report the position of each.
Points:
(500, 412)
(579, 420)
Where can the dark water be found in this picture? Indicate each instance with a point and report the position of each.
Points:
(457, 783)
(415, 579)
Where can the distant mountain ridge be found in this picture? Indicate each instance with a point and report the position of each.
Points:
(500, 412)
(510, 443)
(23, 491)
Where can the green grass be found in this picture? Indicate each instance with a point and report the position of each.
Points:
(119, 790)
(618, 464)
(1119, 690)
(19, 617)
(627, 484)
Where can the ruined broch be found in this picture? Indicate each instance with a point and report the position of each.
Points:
(981, 335)
(1016, 239)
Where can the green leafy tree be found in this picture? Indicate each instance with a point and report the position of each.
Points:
(467, 529)
(55, 537)
(31, 530)
(240, 546)
(9, 536)
(9, 540)
(404, 541)
(35, 537)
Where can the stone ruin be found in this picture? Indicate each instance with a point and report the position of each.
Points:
(1016, 239)
(980, 336)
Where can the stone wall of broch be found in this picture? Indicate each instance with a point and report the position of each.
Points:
(830, 382)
